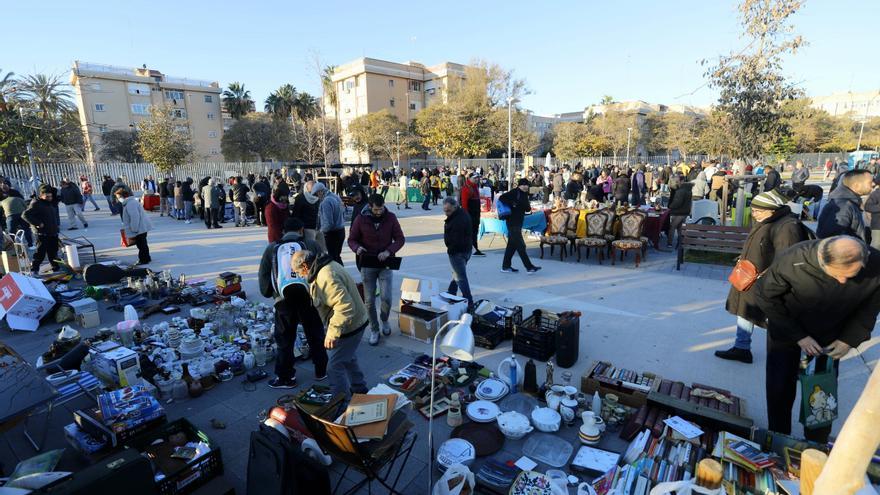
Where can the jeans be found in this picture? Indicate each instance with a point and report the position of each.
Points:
(110, 205)
(73, 212)
(744, 329)
(875, 239)
(342, 366)
(515, 243)
(427, 200)
(187, 210)
(140, 241)
(675, 223)
(296, 309)
(382, 278)
(87, 198)
(47, 247)
(14, 223)
(240, 210)
(334, 240)
(458, 262)
(163, 206)
(783, 366)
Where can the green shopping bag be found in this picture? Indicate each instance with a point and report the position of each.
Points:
(818, 393)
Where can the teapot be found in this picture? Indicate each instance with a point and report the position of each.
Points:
(511, 373)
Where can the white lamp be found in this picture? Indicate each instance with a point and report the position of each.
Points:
(458, 343)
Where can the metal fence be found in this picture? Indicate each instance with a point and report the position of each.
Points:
(811, 160)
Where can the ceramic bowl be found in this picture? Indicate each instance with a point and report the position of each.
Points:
(546, 419)
(570, 391)
(514, 425)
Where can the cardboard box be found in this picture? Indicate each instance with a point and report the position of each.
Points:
(84, 305)
(23, 301)
(119, 366)
(455, 306)
(418, 291)
(421, 322)
(89, 320)
(81, 441)
(10, 262)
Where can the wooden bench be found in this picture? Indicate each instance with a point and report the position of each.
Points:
(718, 238)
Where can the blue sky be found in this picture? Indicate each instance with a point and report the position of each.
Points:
(570, 52)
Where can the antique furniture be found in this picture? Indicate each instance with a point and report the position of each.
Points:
(595, 239)
(631, 225)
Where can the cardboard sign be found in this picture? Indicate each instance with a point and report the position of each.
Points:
(23, 301)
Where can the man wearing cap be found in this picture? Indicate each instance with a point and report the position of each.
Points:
(774, 230)
(42, 214)
(517, 199)
(330, 220)
(470, 203)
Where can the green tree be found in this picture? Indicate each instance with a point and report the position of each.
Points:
(164, 140)
(376, 133)
(568, 139)
(750, 82)
(121, 146)
(715, 135)
(47, 94)
(305, 107)
(237, 100)
(258, 137)
(7, 85)
(606, 100)
(613, 127)
(327, 85)
(678, 131)
(281, 102)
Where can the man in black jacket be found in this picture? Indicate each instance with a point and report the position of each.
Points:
(106, 188)
(165, 195)
(773, 179)
(518, 201)
(261, 198)
(42, 214)
(680, 202)
(820, 297)
(239, 201)
(842, 215)
(457, 237)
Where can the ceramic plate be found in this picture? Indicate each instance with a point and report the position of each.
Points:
(398, 380)
(456, 451)
(483, 411)
(491, 389)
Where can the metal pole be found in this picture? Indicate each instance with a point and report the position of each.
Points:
(398, 150)
(628, 135)
(34, 179)
(861, 130)
(509, 144)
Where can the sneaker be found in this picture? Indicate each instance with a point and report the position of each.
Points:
(85, 225)
(533, 269)
(188, 222)
(374, 338)
(281, 383)
(321, 378)
(509, 269)
(478, 253)
(386, 328)
(736, 354)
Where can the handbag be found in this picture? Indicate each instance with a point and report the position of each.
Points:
(125, 241)
(818, 394)
(743, 275)
(502, 208)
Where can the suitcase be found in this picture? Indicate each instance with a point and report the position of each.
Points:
(126, 472)
(568, 339)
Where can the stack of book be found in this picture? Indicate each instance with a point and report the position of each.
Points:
(369, 415)
(746, 468)
(608, 373)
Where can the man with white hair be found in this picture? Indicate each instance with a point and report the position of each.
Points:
(211, 203)
(330, 220)
(820, 298)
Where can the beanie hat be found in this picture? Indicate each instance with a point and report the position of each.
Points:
(769, 200)
(523, 182)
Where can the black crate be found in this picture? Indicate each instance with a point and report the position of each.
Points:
(488, 336)
(536, 336)
(182, 477)
(507, 324)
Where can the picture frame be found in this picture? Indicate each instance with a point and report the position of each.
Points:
(441, 407)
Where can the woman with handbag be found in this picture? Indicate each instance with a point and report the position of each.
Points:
(135, 225)
(774, 229)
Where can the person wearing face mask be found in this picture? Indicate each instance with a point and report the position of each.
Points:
(820, 297)
(374, 237)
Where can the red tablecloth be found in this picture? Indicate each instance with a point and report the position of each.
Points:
(655, 224)
(151, 201)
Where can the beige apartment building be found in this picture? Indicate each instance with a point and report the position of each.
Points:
(369, 85)
(857, 106)
(117, 98)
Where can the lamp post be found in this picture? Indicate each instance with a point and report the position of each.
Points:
(629, 131)
(458, 343)
(398, 150)
(510, 101)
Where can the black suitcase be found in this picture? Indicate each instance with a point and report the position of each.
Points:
(126, 472)
(568, 339)
(276, 466)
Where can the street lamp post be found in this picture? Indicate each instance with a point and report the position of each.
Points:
(510, 101)
(629, 131)
(398, 150)
(862, 129)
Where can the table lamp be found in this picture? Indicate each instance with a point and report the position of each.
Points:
(458, 343)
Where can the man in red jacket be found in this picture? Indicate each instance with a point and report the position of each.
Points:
(375, 237)
(470, 202)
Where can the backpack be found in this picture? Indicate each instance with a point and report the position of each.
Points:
(283, 274)
(277, 466)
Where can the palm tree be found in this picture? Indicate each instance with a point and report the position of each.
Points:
(305, 107)
(281, 102)
(7, 83)
(47, 94)
(237, 100)
(328, 86)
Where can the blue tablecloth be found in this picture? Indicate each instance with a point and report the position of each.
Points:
(535, 222)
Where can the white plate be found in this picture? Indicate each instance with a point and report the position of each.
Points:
(483, 411)
(491, 389)
(455, 451)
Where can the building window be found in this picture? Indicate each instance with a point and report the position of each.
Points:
(181, 129)
(347, 110)
(391, 83)
(210, 116)
(412, 106)
(391, 102)
(415, 86)
(349, 84)
(102, 128)
(215, 151)
(174, 95)
(99, 107)
(212, 134)
(96, 86)
(209, 99)
(178, 113)
(140, 109)
(138, 89)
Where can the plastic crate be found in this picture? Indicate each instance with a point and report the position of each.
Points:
(506, 323)
(488, 336)
(536, 336)
(181, 477)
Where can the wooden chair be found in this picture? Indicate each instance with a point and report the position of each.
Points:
(368, 458)
(572, 226)
(556, 233)
(631, 225)
(595, 238)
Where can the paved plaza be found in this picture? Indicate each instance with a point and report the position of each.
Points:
(650, 318)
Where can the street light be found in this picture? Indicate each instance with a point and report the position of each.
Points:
(510, 101)
(629, 131)
(398, 150)
(862, 129)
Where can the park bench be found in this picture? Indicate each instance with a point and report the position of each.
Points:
(718, 238)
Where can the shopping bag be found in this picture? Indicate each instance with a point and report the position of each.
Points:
(502, 208)
(125, 241)
(457, 479)
(818, 394)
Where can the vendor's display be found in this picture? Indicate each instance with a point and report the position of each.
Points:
(492, 389)
(486, 438)
(455, 451)
(121, 415)
(24, 301)
(494, 324)
(631, 387)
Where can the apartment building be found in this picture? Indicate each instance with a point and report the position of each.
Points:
(117, 98)
(369, 85)
(857, 106)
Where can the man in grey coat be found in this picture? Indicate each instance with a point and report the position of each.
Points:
(330, 220)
